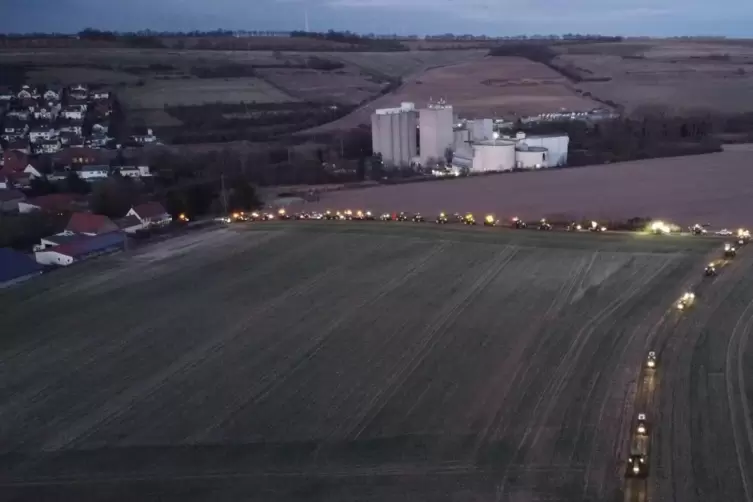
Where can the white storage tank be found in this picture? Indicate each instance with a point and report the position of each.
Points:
(493, 155)
(531, 157)
(557, 144)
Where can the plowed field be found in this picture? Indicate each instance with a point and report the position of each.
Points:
(338, 362)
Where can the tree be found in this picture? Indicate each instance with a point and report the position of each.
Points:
(74, 184)
(114, 197)
(243, 195)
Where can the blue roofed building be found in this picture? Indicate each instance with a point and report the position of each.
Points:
(16, 267)
(80, 248)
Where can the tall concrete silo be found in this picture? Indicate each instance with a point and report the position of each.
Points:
(436, 135)
(393, 135)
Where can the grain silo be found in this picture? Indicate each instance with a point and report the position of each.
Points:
(493, 155)
(393, 135)
(435, 132)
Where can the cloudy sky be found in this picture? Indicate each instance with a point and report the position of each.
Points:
(492, 17)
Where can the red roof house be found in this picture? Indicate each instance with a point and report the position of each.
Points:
(90, 224)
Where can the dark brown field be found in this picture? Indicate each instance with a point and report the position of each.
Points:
(713, 188)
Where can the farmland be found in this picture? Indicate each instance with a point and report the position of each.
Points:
(677, 76)
(340, 363)
(492, 86)
(702, 188)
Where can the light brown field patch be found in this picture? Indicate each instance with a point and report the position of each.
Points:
(675, 75)
(341, 86)
(471, 88)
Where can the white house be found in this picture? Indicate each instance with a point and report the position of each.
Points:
(6, 95)
(48, 146)
(74, 126)
(134, 171)
(97, 95)
(44, 113)
(33, 172)
(72, 113)
(144, 139)
(16, 129)
(93, 173)
(79, 88)
(39, 134)
(24, 93)
(97, 141)
(19, 114)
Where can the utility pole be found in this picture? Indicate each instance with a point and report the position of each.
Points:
(224, 194)
(342, 147)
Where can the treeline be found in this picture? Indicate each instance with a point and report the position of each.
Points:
(358, 41)
(626, 139)
(544, 54)
(223, 122)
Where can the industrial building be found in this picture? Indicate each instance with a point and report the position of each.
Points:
(393, 135)
(531, 157)
(556, 145)
(493, 155)
(435, 132)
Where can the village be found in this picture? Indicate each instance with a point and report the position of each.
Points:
(52, 141)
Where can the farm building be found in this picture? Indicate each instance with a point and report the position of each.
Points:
(150, 213)
(16, 267)
(81, 248)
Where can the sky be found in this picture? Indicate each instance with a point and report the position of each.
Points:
(733, 18)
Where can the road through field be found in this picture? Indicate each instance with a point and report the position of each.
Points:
(341, 362)
(703, 437)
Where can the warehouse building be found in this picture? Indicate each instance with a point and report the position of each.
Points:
(393, 135)
(82, 247)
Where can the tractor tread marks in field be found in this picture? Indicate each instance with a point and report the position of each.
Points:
(454, 307)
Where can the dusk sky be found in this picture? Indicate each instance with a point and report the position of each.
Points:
(492, 17)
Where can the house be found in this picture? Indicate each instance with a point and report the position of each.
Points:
(72, 113)
(6, 94)
(24, 93)
(75, 126)
(82, 248)
(144, 139)
(48, 146)
(68, 138)
(94, 172)
(44, 114)
(80, 91)
(64, 237)
(129, 224)
(34, 170)
(9, 200)
(78, 104)
(53, 203)
(98, 95)
(16, 267)
(42, 133)
(150, 214)
(19, 113)
(6, 183)
(90, 224)
(51, 95)
(133, 171)
(14, 129)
